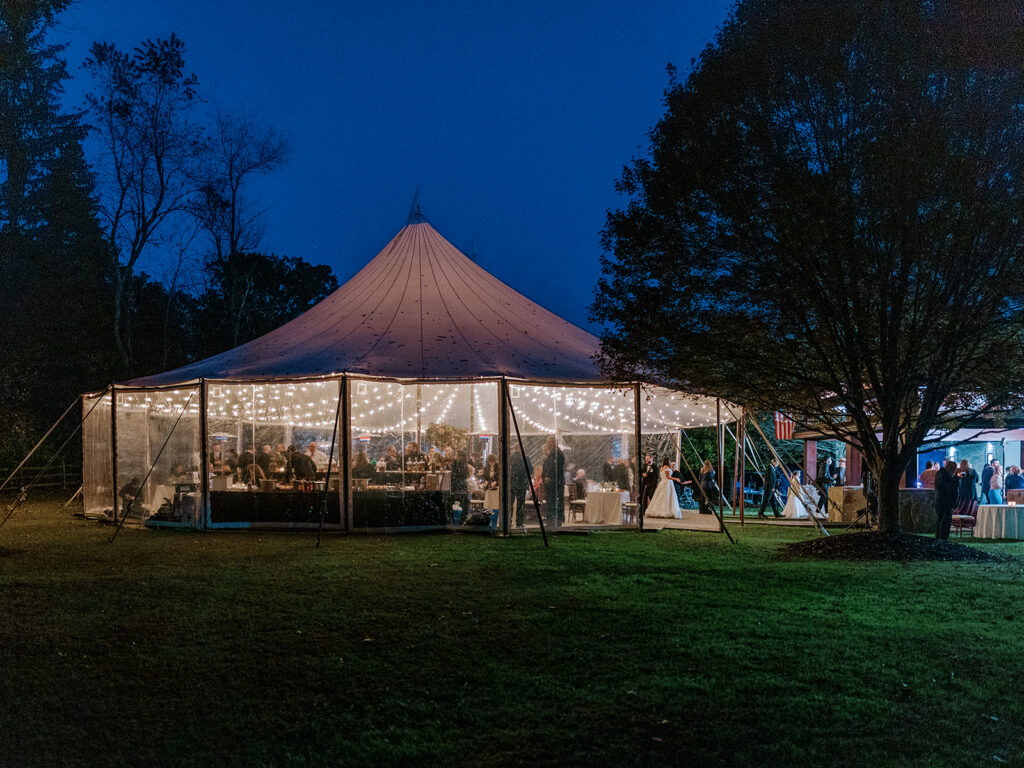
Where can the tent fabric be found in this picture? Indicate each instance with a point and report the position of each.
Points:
(419, 310)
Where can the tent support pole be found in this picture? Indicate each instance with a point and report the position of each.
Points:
(23, 494)
(131, 501)
(41, 441)
(789, 477)
(345, 468)
(741, 452)
(526, 465)
(204, 458)
(503, 448)
(113, 448)
(639, 453)
(721, 456)
(697, 454)
(696, 482)
(327, 476)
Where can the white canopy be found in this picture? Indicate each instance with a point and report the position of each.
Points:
(419, 310)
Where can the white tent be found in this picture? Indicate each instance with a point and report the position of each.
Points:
(423, 347)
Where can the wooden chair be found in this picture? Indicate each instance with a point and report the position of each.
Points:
(577, 507)
(965, 518)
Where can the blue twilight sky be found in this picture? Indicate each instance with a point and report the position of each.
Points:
(515, 119)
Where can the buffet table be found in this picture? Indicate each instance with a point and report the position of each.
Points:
(605, 507)
(999, 521)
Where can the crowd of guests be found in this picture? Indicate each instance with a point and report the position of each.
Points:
(959, 486)
(284, 464)
(993, 481)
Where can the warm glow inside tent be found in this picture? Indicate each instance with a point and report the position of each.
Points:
(423, 360)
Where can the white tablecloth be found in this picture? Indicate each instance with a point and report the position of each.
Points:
(492, 499)
(605, 507)
(1000, 521)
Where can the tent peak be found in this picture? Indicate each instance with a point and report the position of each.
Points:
(415, 214)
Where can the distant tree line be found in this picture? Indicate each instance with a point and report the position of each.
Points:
(128, 241)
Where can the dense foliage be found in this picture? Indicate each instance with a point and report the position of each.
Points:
(78, 311)
(828, 222)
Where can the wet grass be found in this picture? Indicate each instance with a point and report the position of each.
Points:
(618, 649)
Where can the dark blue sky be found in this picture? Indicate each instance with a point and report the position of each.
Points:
(514, 118)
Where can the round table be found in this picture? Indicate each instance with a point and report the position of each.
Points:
(1000, 521)
(604, 507)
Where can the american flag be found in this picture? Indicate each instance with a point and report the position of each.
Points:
(783, 426)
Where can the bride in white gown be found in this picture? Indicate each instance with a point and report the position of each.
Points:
(664, 502)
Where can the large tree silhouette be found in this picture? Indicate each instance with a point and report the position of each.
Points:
(829, 222)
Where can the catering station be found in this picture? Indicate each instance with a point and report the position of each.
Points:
(423, 393)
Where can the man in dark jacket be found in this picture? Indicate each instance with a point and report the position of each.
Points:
(519, 481)
(302, 466)
(772, 484)
(553, 475)
(825, 480)
(946, 486)
(986, 480)
(648, 481)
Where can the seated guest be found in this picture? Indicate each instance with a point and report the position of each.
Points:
(279, 460)
(473, 485)
(231, 461)
(580, 481)
(362, 469)
(1014, 479)
(389, 462)
(412, 453)
(319, 458)
(302, 466)
(266, 460)
(248, 470)
(491, 473)
(435, 461)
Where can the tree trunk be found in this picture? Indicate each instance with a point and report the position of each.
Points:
(888, 485)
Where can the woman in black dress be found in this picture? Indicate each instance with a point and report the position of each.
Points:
(967, 489)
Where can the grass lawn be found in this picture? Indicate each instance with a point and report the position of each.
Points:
(617, 649)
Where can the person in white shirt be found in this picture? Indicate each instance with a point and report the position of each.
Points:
(319, 457)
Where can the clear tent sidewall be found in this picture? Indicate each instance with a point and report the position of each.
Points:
(137, 431)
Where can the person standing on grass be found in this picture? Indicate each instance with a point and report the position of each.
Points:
(968, 484)
(772, 483)
(946, 490)
(986, 477)
(553, 473)
(648, 482)
(995, 484)
(824, 482)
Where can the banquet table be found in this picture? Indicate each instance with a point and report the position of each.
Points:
(605, 507)
(999, 521)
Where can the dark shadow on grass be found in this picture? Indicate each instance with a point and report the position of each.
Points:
(874, 545)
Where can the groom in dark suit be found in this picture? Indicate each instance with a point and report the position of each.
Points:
(648, 482)
(772, 484)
